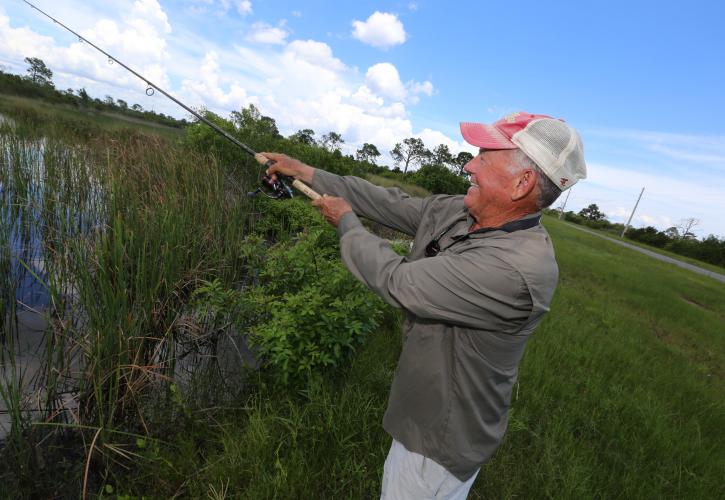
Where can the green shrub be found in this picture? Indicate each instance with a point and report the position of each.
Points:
(317, 326)
(304, 312)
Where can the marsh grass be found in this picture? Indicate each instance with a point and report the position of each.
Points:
(117, 228)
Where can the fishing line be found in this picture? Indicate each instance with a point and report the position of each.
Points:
(280, 187)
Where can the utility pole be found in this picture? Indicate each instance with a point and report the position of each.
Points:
(561, 209)
(626, 226)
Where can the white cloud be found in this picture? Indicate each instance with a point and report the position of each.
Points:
(244, 7)
(384, 79)
(433, 138)
(266, 34)
(422, 88)
(412, 6)
(381, 30)
(136, 38)
(315, 53)
(209, 90)
(148, 17)
(296, 13)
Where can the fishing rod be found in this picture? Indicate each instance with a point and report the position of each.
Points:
(279, 187)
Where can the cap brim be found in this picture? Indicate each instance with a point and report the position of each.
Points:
(485, 136)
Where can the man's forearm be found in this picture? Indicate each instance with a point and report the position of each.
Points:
(390, 207)
(306, 173)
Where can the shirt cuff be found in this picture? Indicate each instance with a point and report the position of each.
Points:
(348, 222)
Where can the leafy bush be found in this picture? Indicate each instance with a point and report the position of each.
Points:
(438, 179)
(648, 235)
(304, 311)
(278, 220)
(316, 326)
(317, 311)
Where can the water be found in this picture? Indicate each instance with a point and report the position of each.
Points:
(49, 196)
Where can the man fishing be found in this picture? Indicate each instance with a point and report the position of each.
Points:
(480, 276)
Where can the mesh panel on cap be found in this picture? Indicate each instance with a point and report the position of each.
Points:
(553, 134)
(555, 148)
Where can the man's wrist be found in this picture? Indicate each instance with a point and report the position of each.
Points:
(306, 174)
(348, 222)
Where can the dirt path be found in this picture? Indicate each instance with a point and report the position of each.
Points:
(684, 265)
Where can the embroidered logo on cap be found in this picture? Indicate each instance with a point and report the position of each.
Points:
(511, 118)
(563, 181)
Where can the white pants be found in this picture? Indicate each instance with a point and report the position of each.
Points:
(411, 476)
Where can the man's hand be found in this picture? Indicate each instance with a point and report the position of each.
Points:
(289, 166)
(332, 208)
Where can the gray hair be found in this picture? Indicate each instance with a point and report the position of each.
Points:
(548, 191)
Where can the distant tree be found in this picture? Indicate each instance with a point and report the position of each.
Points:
(439, 180)
(649, 235)
(38, 72)
(137, 107)
(441, 155)
(305, 136)
(686, 228)
(268, 126)
(250, 121)
(592, 213)
(368, 152)
(672, 232)
(460, 161)
(411, 151)
(122, 104)
(109, 101)
(85, 98)
(332, 141)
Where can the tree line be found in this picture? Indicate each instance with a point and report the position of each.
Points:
(38, 84)
(679, 239)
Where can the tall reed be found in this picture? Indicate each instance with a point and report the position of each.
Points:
(117, 228)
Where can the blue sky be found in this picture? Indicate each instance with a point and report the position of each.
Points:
(641, 80)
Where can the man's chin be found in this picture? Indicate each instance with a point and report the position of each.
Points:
(470, 197)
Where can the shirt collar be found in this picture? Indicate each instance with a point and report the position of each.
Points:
(526, 222)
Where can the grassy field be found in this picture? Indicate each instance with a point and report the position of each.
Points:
(620, 393)
(104, 119)
(619, 396)
(661, 251)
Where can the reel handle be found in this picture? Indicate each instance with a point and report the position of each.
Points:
(299, 185)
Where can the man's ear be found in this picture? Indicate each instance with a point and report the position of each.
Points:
(525, 183)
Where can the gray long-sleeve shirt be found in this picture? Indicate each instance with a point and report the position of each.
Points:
(468, 314)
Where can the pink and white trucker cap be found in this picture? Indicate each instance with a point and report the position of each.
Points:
(552, 144)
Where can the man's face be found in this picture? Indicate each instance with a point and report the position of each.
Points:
(491, 181)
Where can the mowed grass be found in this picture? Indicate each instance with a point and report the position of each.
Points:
(106, 120)
(661, 251)
(620, 395)
(620, 392)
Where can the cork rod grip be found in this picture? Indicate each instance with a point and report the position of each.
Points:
(298, 185)
(305, 189)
